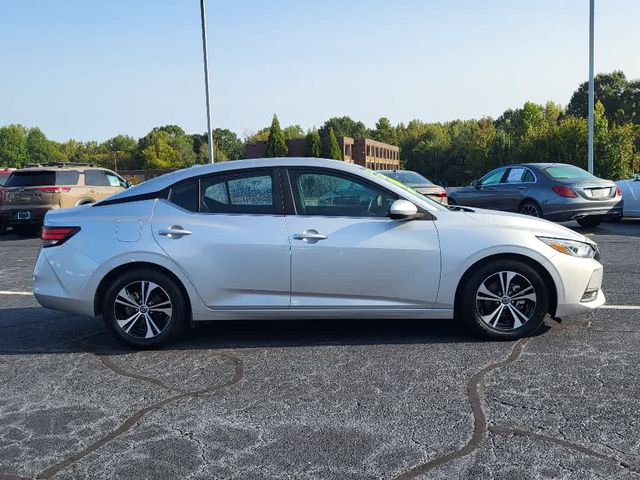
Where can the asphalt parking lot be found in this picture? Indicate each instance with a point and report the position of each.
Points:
(323, 399)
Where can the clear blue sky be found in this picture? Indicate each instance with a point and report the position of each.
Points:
(90, 69)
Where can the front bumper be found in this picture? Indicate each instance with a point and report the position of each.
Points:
(579, 276)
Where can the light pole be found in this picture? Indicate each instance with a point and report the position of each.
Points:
(591, 88)
(203, 19)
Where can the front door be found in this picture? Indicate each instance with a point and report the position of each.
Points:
(227, 234)
(347, 252)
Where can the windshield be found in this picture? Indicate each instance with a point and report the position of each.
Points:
(568, 172)
(407, 189)
(43, 178)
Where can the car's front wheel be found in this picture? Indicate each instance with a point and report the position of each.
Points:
(504, 299)
(144, 308)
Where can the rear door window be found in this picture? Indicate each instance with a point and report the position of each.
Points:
(95, 178)
(185, 195)
(515, 175)
(67, 177)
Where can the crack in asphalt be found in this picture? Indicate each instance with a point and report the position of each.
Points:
(563, 443)
(131, 421)
(479, 418)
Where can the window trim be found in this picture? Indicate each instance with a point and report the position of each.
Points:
(276, 190)
(535, 178)
(291, 208)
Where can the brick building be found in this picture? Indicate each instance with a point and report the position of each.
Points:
(361, 151)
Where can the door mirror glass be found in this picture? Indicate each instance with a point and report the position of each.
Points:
(403, 210)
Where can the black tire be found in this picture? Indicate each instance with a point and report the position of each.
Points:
(472, 309)
(169, 326)
(531, 209)
(591, 221)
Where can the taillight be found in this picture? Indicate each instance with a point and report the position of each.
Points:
(54, 189)
(52, 236)
(564, 191)
(618, 192)
(440, 194)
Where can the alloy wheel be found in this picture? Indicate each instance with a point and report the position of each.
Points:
(142, 309)
(506, 300)
(530, 210)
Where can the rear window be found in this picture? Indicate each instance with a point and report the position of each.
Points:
(408, 177)
(567, 172)
(43, 178)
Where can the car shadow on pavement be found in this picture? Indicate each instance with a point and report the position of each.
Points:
(73, 334)
(623, 228)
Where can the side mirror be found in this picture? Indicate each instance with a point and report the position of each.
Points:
(475, 183)
(403, 210)
(127, 184)
(637, 179)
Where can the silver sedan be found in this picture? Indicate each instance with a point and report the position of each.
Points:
(305, 238)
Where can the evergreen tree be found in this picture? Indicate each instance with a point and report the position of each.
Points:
(276, 145)
(331, 147)
(313, 144)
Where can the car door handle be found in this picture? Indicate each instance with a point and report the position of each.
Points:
(490, 189)
(174, 231)
(309, 236)
(522, 188)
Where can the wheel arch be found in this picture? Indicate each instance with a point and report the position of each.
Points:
(114, 273)
(530, 200)
(546, 276)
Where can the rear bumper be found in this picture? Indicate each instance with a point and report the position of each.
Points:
(12, 217)
(578, 212)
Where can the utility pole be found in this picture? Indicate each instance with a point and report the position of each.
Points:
(203, 19)
(591, 87)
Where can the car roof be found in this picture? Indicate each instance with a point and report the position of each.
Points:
(538, 165)
(159, 183)
(45, 168)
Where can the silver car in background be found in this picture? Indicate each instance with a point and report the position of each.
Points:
(631, 194)
(299, 238)
(419, 183)
(554, 191)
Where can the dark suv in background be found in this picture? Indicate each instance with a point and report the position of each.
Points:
(554, 191)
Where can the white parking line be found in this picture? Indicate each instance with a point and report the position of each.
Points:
(621, 307)
(4, 292)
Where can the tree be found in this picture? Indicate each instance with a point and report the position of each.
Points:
(13, 145)
(331, 146)
(122, 152)
(293, 131)
(343, 127)
(313, 146)
(39, 148)
(276, 145)
(385, 132)
(611, 89)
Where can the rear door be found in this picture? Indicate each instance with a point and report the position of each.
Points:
(346, 251)
(227, 234)
(512, 189)
(98, 184)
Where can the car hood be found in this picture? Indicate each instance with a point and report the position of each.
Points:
(516, 221)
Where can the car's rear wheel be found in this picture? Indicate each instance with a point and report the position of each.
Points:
(530, 208)
(591, 221)
(452, 201)
(504, 299)
(144, 308)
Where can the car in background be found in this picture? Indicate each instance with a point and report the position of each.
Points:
(419, 183)
(29, 193)
(555, 191)
(631, 194)
(5, 173)
(251, 239)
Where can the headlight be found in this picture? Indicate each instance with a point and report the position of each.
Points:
(571, 247)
